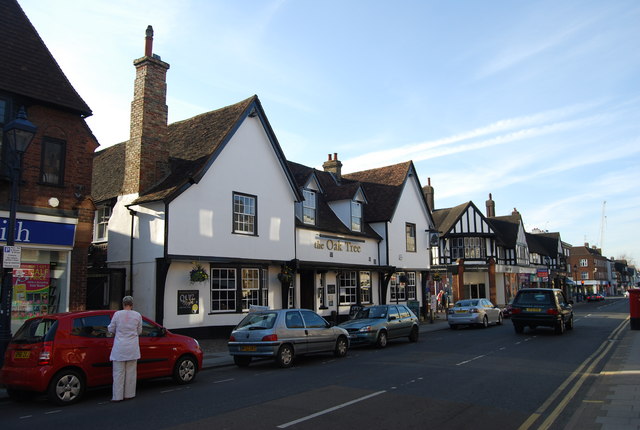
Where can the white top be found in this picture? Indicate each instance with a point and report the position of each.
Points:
(126, 325)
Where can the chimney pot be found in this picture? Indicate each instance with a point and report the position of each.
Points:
(148, 42)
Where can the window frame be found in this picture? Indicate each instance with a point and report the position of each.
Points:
(356, 216)
(98, 221)
(309, 205)
(231, 293)
(348, 288)
(256, 290)
(410, 237)
(236, 216)
(366, 296)
(46, 145)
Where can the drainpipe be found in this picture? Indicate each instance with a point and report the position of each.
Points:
(133, 214)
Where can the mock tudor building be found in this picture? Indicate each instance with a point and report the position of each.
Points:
(54, 216)
(204, 218)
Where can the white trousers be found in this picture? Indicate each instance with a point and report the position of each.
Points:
(125, 374)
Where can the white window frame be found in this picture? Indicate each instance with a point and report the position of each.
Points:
(348, 288)
(309, 207)
(356, 216)
(226, 300)
(101, 221)
(251, 291)
(245, 209)
(365, 288)
(410, 235)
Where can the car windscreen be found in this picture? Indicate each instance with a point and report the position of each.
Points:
(36, 330)
(372, 312)
(258, 321)
(465, 303)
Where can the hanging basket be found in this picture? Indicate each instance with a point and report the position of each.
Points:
(198, 274)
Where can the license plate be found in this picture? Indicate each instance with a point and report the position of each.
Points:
(248, 348)
(21, 354)
(533, 310)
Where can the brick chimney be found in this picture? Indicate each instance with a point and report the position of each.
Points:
(428, 194)
(146, 155)
(334, 166)
(491, 207)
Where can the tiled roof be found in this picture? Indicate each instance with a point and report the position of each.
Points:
(383, 187)
(542, 245)
(445, 218)
(191, 144)
(506, 229)
(27, 68)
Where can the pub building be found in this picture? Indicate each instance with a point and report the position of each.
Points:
(204, 218)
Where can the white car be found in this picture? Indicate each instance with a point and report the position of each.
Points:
(480, 312)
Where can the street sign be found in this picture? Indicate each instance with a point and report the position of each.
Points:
(11, 257)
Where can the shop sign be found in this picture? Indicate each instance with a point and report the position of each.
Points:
(39, 232)
(337, 245)
(188, 302)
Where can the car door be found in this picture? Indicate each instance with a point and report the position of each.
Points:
(320, 335)
(294, 331)
(394, 324)
(92, 347)
(157, 351)
(405, 322)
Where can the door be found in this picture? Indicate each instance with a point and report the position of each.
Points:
(394, 324)
(307, 289)
(157, 351)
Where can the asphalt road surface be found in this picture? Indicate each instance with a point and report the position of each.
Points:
(451, 379)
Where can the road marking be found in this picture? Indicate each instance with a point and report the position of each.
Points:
(469, 361)
(326, 411)
(224, 380)
(621, 372)
(594, 359)
(53, 412)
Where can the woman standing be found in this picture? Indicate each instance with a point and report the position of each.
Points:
(127, 326)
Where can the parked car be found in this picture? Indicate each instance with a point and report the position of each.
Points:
(595, 297)
(547, 307)
(506, 311)
(64, 354)
(479, 312)
(375, 325)
(283, 334)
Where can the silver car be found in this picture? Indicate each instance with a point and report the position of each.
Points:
(474, 312)
(375, 325)
(283, 334)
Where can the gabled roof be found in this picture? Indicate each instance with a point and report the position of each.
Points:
(506, 229)
(27, 68)
(445, 218)
(326, 218)
(383, 187)
(193, 145)
(542, 244)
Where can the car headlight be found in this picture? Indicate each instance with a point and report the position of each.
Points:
(365, 329)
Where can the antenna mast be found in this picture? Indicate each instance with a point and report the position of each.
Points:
(603, 221)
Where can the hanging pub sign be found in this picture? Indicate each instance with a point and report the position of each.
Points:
(188, 302)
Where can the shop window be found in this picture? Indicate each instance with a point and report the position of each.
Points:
(411, 285)
(223, 290)
(365, 288)
(52, 161)
(244, 214)
(398, 284)
(251, 291)
(348, 288)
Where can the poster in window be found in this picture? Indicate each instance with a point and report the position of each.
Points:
(188, 302)
(30, 291)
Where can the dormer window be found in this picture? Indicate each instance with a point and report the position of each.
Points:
(356, 216)
(309, 207)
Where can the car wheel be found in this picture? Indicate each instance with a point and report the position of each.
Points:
(382, 339)
(569, 325)
(66, 387)
(341, 347)
(453, 327)
(20, 395)
(185, 370)
(241, 360)
(485, 322)
(415, 333)
(500, 319)
(519, 328)
(284, 357)
(560, 326)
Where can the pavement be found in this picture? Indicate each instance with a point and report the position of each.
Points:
(612, 402)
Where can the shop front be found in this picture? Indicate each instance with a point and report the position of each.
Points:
(43, 245)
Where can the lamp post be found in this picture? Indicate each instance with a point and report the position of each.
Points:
(18, 136)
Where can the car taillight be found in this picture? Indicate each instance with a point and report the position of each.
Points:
(270, 338)
(45, 355)
(552, 311)
(515, 310)
(232, 338)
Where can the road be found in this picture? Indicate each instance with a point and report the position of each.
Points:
(469, 378)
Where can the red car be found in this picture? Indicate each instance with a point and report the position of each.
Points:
(63, 354)
(595, 297)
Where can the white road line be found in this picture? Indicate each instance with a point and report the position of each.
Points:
(326, 411)
(224, 380)
(469, 361)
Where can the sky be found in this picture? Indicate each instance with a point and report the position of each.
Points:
(535, 102)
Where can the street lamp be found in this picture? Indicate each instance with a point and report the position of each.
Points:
(18, 136)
